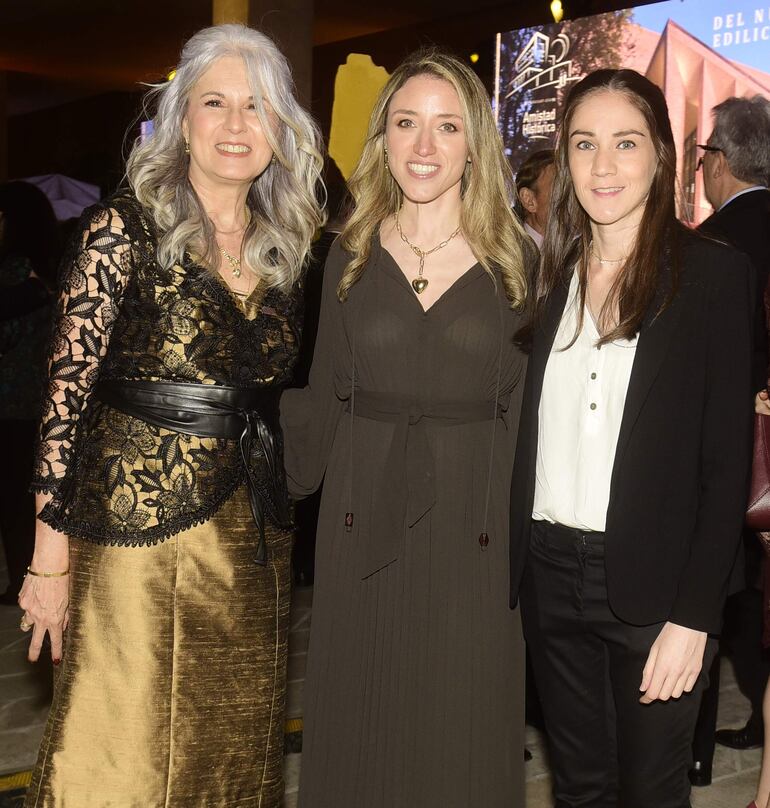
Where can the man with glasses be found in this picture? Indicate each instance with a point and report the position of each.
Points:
(736, 176)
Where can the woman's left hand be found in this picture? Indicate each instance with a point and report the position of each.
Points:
(673, 665)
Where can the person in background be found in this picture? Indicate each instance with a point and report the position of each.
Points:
(28, 257)
(161, 570)
(631, 474)
(533, 188)
(736, 175)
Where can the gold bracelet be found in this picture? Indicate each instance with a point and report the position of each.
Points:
(47, 574)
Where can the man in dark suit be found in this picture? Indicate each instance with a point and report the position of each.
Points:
(736, 175)
(736, 163)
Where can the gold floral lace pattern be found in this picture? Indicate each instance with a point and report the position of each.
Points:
(115, 478)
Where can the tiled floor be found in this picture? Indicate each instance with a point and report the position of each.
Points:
(25, 692)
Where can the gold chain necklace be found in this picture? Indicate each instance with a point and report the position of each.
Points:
(235, 263)
(420, 284)
(605, 260)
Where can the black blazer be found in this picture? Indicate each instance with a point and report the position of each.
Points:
(744, 223)
(679, 481)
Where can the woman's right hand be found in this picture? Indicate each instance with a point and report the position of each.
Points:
(762, 403)
(46, 600)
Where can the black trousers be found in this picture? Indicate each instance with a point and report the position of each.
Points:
(607, 749)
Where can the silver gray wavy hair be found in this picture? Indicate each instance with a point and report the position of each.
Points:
(742, 132)
(283, 201)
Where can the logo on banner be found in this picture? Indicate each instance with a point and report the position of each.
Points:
(542, 63)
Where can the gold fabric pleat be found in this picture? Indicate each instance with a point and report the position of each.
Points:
(171, 691)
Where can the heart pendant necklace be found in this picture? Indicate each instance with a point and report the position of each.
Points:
(420, 284)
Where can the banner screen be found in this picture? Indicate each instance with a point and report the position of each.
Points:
(699, 52)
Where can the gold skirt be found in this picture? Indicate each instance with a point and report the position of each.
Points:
(171, 690)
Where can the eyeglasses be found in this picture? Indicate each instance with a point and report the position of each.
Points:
(705, 149)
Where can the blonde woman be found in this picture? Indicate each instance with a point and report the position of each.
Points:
(161, 565)
(413, 689)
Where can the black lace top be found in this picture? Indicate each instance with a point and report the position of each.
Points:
(117, 479)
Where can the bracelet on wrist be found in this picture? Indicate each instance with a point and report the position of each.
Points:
(30, 571)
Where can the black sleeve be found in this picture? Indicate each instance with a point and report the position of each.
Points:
(93, 279)
(725, 451)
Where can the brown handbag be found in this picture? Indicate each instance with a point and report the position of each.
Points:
(758, 511)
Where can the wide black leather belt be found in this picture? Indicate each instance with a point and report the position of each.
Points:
(212, 411)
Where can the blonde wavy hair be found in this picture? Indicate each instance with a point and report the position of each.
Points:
(284, 205)
(488, 223)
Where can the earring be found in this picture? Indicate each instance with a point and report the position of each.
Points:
(468, 160)
(186, 146)
(273, 160)
(386, 156)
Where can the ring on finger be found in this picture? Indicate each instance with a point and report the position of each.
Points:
(25, 625)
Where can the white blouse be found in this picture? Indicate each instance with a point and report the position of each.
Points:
(581, 407)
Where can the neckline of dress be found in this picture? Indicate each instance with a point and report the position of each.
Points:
(239, 302)
(461, 281)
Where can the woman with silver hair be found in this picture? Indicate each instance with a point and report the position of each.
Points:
(161, 565)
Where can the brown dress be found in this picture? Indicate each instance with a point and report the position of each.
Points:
(414, 686)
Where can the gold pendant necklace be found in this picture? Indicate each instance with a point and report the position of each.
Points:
(420, 284)
(235, 263)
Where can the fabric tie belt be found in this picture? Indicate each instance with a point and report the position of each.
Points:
(409, 474)
(213, 411)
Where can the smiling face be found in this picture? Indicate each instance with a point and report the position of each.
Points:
(612, 158)
(425, 138)
(226, 138)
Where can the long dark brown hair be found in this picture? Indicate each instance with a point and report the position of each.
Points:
(568, 237)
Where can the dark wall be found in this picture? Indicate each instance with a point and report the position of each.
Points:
(82, 139)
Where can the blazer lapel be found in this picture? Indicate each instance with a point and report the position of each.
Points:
(544, 336)
(654, 337)
(526, 450)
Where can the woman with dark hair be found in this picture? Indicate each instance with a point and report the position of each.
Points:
(28, 255)
(629, 486)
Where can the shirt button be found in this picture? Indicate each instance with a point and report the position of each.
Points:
(593, 375)
(593, 405)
